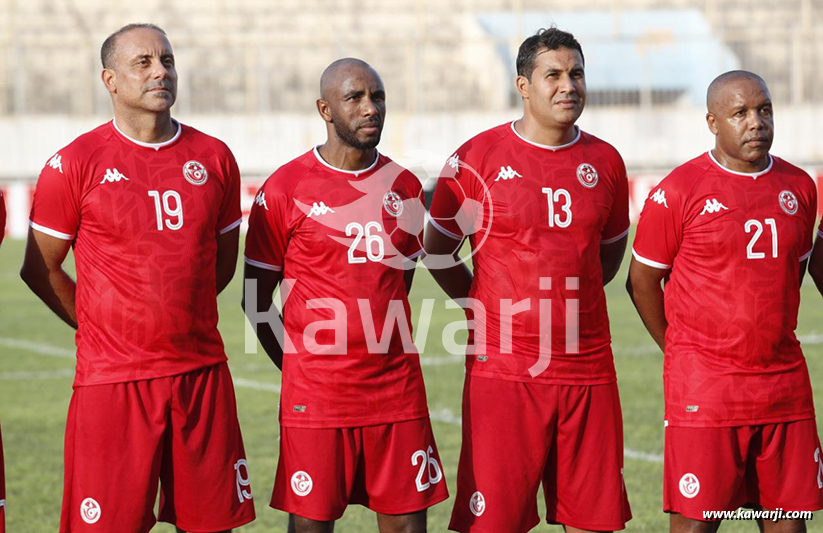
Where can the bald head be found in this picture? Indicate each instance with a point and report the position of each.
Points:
(722, 89)
(336, 73)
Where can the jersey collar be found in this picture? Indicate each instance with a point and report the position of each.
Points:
(354, 173)
(546, 146)
(155, 146)
(753, 175)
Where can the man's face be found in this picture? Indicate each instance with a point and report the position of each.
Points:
(556, 92)
(358, 107)
(144, 74)
(743, 120)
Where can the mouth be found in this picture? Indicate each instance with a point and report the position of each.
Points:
(759, 141)
(567, 104)
(370, 129)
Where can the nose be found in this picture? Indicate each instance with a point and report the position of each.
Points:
(369, 108)
(159, 70)
(566, 85)
(756, 120)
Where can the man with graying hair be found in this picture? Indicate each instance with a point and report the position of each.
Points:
(151, 209)
(730, 233)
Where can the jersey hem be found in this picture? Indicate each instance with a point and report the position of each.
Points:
(49, 231)
(744, 422)
(649, 262)
(604, 380)
(260, 264)
(611, 240)
(231, 226)
(114, 381)
(444, 231)
(336, 424)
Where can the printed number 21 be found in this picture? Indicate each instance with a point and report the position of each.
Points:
(758, 231)
(166, 208)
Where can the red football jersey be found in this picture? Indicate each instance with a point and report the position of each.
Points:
(733, 243)
(342, 240)
(535, 217)
(144, 220)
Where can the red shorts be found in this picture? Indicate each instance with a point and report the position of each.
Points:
(776, 466)
(390, 468)
(122, 438)
(2, 490)
(517, 435)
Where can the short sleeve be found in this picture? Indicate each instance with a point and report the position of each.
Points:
(617, 225)
(411, 220)
(55, 209)
(660, 230)
(2, 215)
(268, 233)
(811, 220)
(455, 210)
(231, 214)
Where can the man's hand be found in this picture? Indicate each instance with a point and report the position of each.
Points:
(43, 273)
(646, 292)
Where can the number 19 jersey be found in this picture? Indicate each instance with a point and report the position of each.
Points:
(143, 220)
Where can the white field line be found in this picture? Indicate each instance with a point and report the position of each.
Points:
(36, 347)
(53, 374)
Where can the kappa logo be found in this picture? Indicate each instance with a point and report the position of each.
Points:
(319, 209)
(90, 511)
(477, 504)
(506, 173)
(454, 161)
(587, 175)
(788, 202)
(113, 175)
(56, 162)
(301, 483)
(659, 196)
(260, 200)
(713, 206)
(195, 173)
(689, 485)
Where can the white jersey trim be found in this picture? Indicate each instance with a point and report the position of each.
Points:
(649, 262)
(444, 231)
(416, 254)
(2, 503)
(754, 175)
(352, 172)
(615, 239)
(156, 146)
(805, 256)
(231, 226)
(264, 266)
(820, 234)
(546, 146)
(52, 232)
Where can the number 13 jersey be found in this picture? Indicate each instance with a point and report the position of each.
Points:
(143, 220)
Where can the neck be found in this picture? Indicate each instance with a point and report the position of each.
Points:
(146, 127)
(741, 165)
(555, 135)
(346, 157)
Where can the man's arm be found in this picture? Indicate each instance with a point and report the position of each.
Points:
(43, 273)
(611, 256)
(456, 278)
(267, 281)
(646, 292)
(815, 265)
(227, 247)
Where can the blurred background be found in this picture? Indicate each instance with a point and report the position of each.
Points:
(249, 73)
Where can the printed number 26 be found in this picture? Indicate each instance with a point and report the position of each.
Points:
(429, 468)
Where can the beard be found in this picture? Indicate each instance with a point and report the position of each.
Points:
(349, 137)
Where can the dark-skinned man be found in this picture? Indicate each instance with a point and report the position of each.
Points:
(730, 233)
(151, 209)
(547, 220)
(354, 421)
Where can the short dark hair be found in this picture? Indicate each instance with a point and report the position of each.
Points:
(107, 50)
(549, 39)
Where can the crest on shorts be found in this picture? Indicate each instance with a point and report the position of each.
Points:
(195, 173)
(393, 203)
(90, 511)
(587, 175)
(301, 483)
(788, 202)
(689, 485)
(477, 504)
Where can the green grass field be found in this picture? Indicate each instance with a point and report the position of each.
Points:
(36, 369)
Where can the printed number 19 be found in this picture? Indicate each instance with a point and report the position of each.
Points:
(166, 208)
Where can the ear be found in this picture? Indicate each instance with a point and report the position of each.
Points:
(711, 120)
(109, 80)
(522, 84)
(324, 109)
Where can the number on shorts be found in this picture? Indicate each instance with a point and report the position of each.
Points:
(243, 481)
(818, 458)
(429, 468)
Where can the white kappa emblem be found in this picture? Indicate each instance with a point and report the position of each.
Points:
(301, 483)
(90, 511)
(195, 173)
(587, 175)
(689, 485)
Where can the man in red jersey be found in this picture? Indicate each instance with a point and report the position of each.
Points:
(731, 231)
(341, 227)
(2, 465)
(550, 222)
(151, 208)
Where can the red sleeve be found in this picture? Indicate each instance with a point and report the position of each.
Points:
(456, 210)
(617, 225)
(660, 230)
(412, 220)
(55, 210)
(2, 216)
(230, 213)
(811, 219)
(269, 232)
